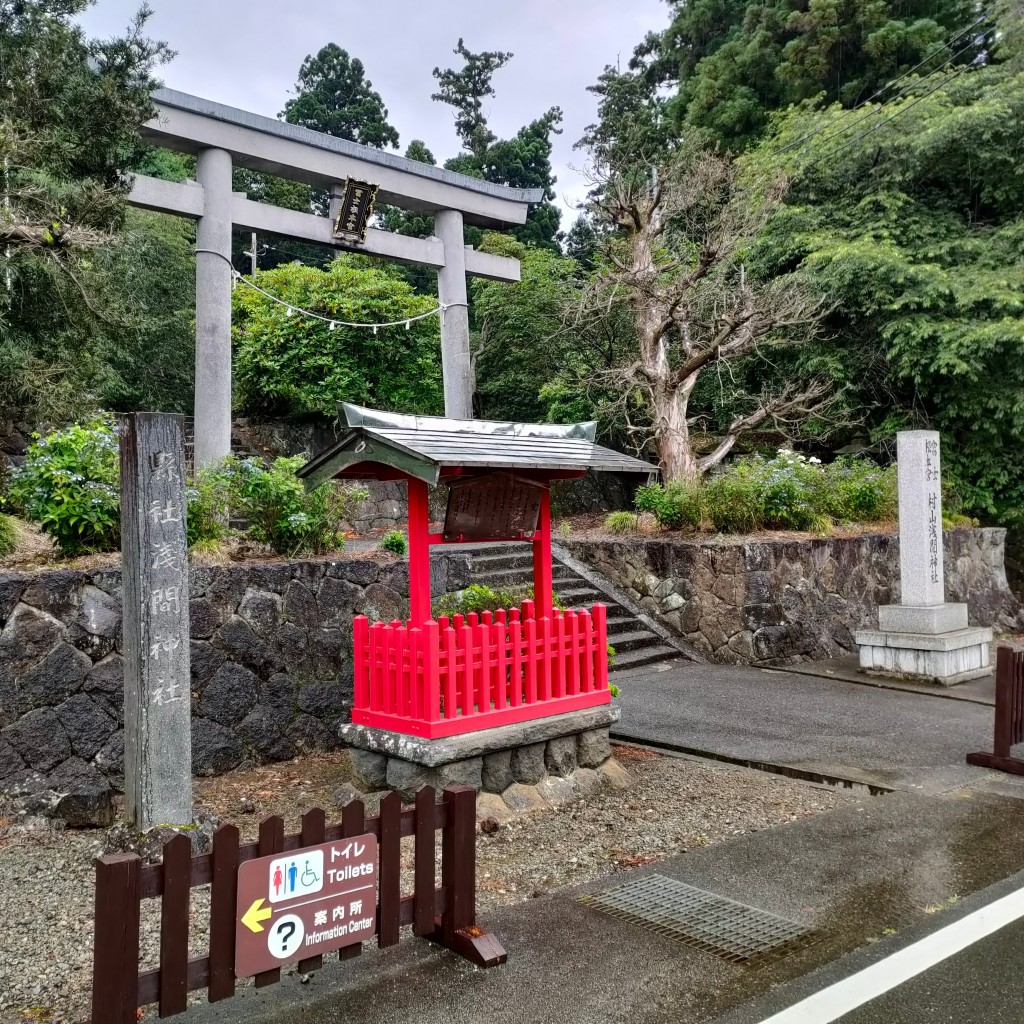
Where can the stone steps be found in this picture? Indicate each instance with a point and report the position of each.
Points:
(503, 565)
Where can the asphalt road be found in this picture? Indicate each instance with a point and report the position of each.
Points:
(829, 727)
(982, 985)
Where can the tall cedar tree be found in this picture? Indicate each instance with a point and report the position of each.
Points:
(334, 96)
(523, 161)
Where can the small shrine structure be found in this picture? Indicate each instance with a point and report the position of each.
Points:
(440, 678)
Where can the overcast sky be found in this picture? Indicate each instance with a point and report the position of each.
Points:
(247, 54)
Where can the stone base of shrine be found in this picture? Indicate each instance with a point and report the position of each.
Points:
(527, 766)
(946, 658)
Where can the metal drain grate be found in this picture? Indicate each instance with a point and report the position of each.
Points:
(709, 922)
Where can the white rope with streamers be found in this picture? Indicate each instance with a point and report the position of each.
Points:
(335, 323)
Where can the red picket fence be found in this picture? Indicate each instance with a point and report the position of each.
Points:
(476, 672)
(445, 915)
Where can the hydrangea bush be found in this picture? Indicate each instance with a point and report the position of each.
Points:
(282, 513)
(69, 485)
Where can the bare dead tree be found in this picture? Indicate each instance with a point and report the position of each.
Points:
(676, 260)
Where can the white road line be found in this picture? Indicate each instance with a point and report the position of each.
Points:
(833, 1002)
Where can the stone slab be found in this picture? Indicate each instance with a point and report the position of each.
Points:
(932, 619)
(432, 753)
(955, 640)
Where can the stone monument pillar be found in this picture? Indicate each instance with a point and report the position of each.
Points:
(923, 637)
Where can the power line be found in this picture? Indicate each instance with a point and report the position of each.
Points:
(902, 110)
(878, 92)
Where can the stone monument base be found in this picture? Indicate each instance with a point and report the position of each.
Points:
(927, 643)
(541, 763)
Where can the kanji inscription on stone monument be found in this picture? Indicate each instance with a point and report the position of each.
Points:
(920, 497)
(157, 739)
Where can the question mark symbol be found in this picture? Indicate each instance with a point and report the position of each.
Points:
(289, 927)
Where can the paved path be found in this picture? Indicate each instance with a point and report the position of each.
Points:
(893, 739)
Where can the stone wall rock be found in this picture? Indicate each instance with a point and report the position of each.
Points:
(767, 601)
(271, 661)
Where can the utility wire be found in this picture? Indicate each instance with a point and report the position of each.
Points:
(902, 110)
(878, 92)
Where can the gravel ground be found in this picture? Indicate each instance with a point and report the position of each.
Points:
(46, 876)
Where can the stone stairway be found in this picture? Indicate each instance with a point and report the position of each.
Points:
(507, 565)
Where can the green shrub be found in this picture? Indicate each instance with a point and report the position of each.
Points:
(395, 542)
(68, 484)
(622, 522)
(478, 598)
(292, 365)
(8, 535)
(209, 506)
(678, 506)
(283, 514)
(731, 504)
(787, 492)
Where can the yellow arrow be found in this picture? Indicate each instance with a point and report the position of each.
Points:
(252, 917)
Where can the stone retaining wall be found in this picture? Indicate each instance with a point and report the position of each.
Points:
(776, 601)
(271, 662)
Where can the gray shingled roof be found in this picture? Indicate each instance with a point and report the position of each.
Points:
(423, 446)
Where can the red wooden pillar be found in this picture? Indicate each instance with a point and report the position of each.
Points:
(419, 553)
(542, 558)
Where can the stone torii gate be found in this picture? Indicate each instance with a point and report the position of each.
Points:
(221, 138)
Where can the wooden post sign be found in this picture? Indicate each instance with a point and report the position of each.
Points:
(157, 685)
(305, 903)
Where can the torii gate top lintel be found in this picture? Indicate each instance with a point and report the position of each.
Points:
(191, 124)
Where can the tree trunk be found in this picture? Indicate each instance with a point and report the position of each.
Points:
(672, 434)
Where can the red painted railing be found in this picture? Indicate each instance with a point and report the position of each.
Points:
(477, 672)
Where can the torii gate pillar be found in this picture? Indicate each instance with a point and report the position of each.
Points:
(213, 310)
(456, 363)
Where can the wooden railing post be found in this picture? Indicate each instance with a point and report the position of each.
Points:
(1004, 702)
(458, 931)
(1009, 715)
(115, 974)
(431, 648)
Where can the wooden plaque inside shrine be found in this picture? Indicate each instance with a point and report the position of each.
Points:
(498, 506)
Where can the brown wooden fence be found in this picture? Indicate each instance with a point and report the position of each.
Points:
(1009, 718)
(446, 915)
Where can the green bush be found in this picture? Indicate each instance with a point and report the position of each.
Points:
(209, 505)
(622, 522)
(477, 598)
(68, 484)
(293, 365)
(283, 514)
(8, 535)
(858, 491)
(395, 542)
(731, 504)
(787, 492)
